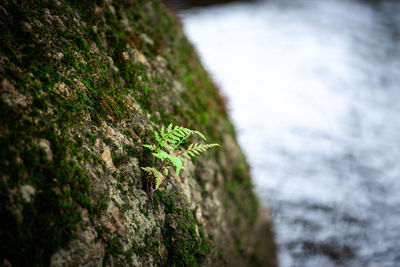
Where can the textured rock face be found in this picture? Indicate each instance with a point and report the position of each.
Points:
(83, 85)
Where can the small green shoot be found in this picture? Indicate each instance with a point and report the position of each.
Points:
(168, 150)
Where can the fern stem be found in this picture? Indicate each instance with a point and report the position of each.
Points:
(181, 141)
(162, 166)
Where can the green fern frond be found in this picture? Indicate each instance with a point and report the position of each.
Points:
(175, 160)
(166, 150)
(172, 137)
(166, 170)
(196, 149)
(158, 139)
(159, 178)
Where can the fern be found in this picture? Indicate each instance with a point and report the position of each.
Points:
(175, 160)
(166, 150)
(172, 137)
(156, 174)
(196, 149)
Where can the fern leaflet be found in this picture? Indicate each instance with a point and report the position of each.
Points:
(157, 175)
(174, 136)
(194, 149)
(176, 161)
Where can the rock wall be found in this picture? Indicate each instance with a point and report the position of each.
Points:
(83, 85)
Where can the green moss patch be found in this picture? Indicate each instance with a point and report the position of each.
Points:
(182, 235)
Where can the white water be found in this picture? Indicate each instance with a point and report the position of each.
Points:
(314, 91)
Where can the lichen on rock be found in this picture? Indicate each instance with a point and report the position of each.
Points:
(84, 84)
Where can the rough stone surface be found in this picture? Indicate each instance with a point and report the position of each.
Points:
(27, 191)
(84, 84)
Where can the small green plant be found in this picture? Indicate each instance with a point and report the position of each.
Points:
(168, 150)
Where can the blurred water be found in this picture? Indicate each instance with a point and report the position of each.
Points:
(314, 92)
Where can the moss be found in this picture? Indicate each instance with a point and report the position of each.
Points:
(128, 133)
(35, 230)
(101, 206)
(151, 247)
(120, 159)
(247, 205)
(114, 249)
(185, 245)
(129, 150)
(91, 137)
(136, 128)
